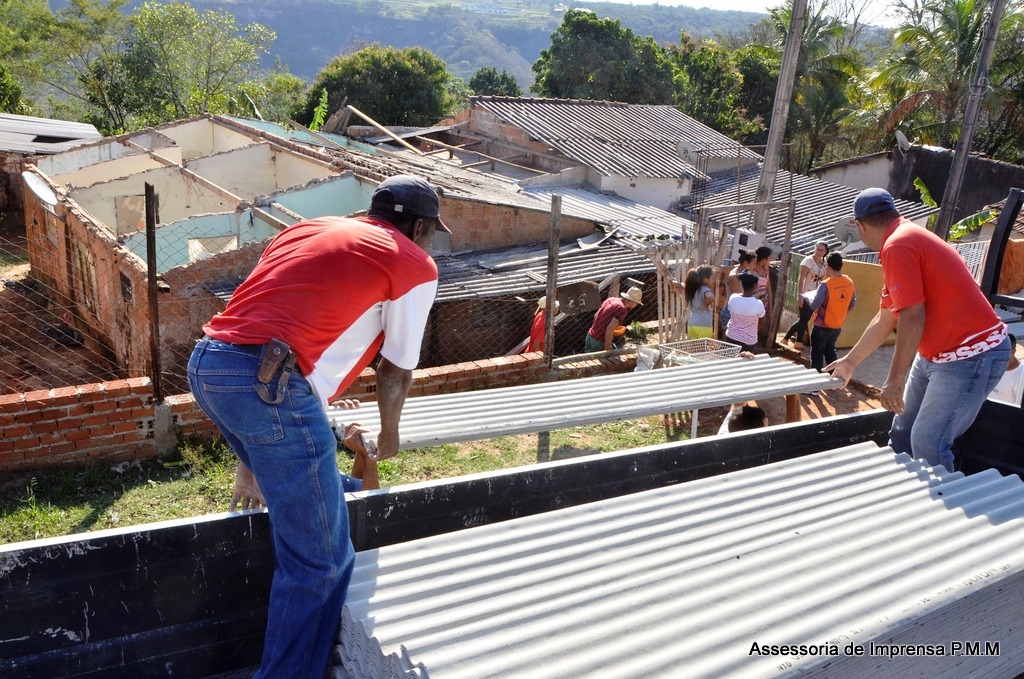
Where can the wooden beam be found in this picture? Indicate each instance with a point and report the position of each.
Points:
(384, 130)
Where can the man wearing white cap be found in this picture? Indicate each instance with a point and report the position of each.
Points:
(327, 295)
(609, 316)
(951, 347)
(539, 327)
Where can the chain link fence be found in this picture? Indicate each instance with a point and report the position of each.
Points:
(53, 338)
(41, 345)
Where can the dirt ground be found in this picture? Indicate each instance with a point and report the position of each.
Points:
(855, 398)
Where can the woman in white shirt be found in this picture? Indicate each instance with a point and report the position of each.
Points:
(812, 271)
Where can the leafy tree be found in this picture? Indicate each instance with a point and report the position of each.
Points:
(934, 62)
(392, 86)
(1000, 131)
(458, 93)
(823, 71)
(276, 95)
(81, 61)
(183, 62)
(593, 58)
(10, 94)
(25, 24)
(487, 81)
(707, 86)
(759, 71)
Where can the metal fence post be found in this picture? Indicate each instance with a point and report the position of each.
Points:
(552, 291)
(154, 316)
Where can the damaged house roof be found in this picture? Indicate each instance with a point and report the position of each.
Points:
(522, 270)
(630, 140)
(36, 136)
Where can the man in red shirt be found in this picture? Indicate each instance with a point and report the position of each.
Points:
(608, 317)
(944, 326)
(539, 327)
(327, 295)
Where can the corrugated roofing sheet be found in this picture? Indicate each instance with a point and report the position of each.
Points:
(823, 555)
(629, 140)
(31, 135)
(820, 205)
(472, 415)
(626, 217)
(462, 276)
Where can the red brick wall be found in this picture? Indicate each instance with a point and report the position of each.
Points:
(109, 421)
(114, 421)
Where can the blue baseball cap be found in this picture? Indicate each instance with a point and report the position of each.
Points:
(409, 195)
(871, 202)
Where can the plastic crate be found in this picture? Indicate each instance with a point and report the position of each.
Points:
(697, 351)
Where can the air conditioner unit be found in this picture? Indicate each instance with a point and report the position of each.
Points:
(744, 239)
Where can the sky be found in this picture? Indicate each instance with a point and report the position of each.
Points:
(876, 12)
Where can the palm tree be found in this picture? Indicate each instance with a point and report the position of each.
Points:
(824, 69)
(934, 61)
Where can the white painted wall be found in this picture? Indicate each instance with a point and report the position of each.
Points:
(179, 197)
(860, 173)
(245, 172)
(296, 170)
(203, 137)
(659, 193)
(69, 161)
(117, 168)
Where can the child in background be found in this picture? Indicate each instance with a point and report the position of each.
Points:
(700, 298)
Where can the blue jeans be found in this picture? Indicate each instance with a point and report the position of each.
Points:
(941, 401)
(823, 346)
(292, 452)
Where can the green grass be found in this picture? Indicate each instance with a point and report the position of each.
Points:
(198, 479)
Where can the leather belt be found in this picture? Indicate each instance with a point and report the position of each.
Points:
(255, 349)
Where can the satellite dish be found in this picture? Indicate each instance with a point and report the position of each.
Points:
(846, 231)
(901, 140)
(41, 189)
(687, 151)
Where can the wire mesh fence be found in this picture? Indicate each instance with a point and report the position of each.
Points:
(41, 343)
(62, 337)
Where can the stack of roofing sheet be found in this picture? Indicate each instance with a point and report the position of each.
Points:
(849, 563)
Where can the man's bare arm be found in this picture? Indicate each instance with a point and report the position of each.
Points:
(873, 336)
(909, 330)
(392, 387)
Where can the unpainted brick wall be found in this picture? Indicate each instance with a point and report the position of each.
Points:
(115, 421)
(108, 421)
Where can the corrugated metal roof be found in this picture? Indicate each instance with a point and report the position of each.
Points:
(820, 205)
(472, 415)
(625, 217)
(852, 546)
(629, 140)
(31, 135)
(462, 276)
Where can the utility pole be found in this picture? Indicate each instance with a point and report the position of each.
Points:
(780, 112)
(951, 194)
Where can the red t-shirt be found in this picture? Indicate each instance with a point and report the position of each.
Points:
(919, 267)
(336, 290)
(536, 342)
(613, 307)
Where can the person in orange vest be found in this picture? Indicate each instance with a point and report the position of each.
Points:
(833, 300)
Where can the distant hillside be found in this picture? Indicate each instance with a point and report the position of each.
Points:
(508, 36)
